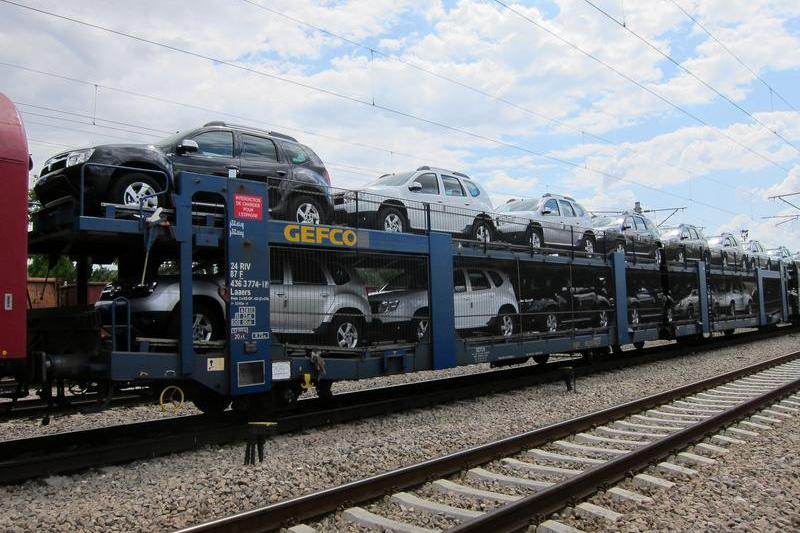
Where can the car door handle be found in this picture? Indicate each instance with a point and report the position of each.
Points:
(280, 294)
(324, 295)
(232, 167)
(280, 172)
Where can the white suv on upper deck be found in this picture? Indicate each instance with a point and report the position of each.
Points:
(403, 202)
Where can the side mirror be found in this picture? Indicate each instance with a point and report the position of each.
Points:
(187, 146)
(415, 187)
(547, 211)
(625, 227)
(460, 288)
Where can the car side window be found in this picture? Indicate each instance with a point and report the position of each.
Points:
(552, 205)
(429, 182)
(629, 222)
(685, 234)
(305, 272)
(215, 143)
(452, 187)
(693, 233)
(459, 280)
(478, 280)
(472, 188)
(295, 153)
(566, 208)
(497, 279)
(258, 148)
(579, 210)
(339, 274)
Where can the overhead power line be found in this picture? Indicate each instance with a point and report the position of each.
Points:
(374, 51)
(694, 76)
(639, 84)
(360, 101)
(697, 23)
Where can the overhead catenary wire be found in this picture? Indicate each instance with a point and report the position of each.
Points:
(374, 51)
(689, 72)
(755, 74)
(639, 84)
(360, 101)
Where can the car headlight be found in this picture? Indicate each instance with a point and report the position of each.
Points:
(388, 306)
(79, 156)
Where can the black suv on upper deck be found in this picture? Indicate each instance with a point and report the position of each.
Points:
(298, 180)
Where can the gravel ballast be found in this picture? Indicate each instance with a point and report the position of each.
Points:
(173, 492)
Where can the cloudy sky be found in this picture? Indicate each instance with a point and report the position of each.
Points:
(674, 103)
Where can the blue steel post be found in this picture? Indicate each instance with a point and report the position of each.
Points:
(620, 297)
(183, 234)
(248, 282)
(762, 308)
(702, 297)
(784, 299)
(440, 265)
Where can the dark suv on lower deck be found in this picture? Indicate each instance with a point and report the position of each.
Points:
(299, 183)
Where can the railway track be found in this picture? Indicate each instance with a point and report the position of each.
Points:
(37, 408)
(78, 450)
(517, 482)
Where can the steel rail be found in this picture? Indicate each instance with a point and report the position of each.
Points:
(60, 453)
(295, 510)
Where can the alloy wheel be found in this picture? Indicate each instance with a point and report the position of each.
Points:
(138, 192)
(588, 247)
(552, 323)
(393, 223)
(506, 325)
(307, 213)
(535, 240)
(202, 328)
(347, 335)
(422, 328)
(603, 318)
(482, 233)
(634, 317)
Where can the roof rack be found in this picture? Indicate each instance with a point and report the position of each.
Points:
(440, 169)
(250, 128)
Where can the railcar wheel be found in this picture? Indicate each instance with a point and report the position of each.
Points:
(210, 403)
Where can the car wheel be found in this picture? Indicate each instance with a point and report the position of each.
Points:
(481, 231)
(306, 210)
(707, 257)
(602, 318)
(551, 322)
(749, 308)
(680, 257)
(588, 245)
(620, 247)
(347, 331)
(535, 238)
(670, 315)
(422, 328)
(657, 255)
(137, 189)
(690, 312)
(732, 309)
(505, 323)
(206, 323)
(391, 219)
(724, 260)
(635, 318)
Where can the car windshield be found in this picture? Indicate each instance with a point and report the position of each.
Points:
(519, 205)
(391, 180)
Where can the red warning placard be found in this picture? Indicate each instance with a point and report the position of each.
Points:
(248, 207)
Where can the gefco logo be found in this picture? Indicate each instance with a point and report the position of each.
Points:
(320, 235)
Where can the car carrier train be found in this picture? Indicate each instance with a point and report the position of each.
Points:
(225, 303)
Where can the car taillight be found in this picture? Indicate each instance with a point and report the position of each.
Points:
(327, 176)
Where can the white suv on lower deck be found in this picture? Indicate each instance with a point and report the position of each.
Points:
(483, 297)
(404, 202)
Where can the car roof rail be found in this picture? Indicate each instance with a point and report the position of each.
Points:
(282, 136)
(462, 175)
(250, 129)
(424, 167)
(214, 123)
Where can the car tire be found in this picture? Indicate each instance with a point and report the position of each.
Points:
(305, 209)
(129, 189)
(635, 317)
(550, 324)
(421, 331)
(602, 317)
(680, 257)
(504, 323)
(732, 309)
(347, 331)
(481, 231)
(589, 246)
(204, 317)
(619, 246)
(535, 238)
(391, 219)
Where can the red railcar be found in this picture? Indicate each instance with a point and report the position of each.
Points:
(14, 167)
